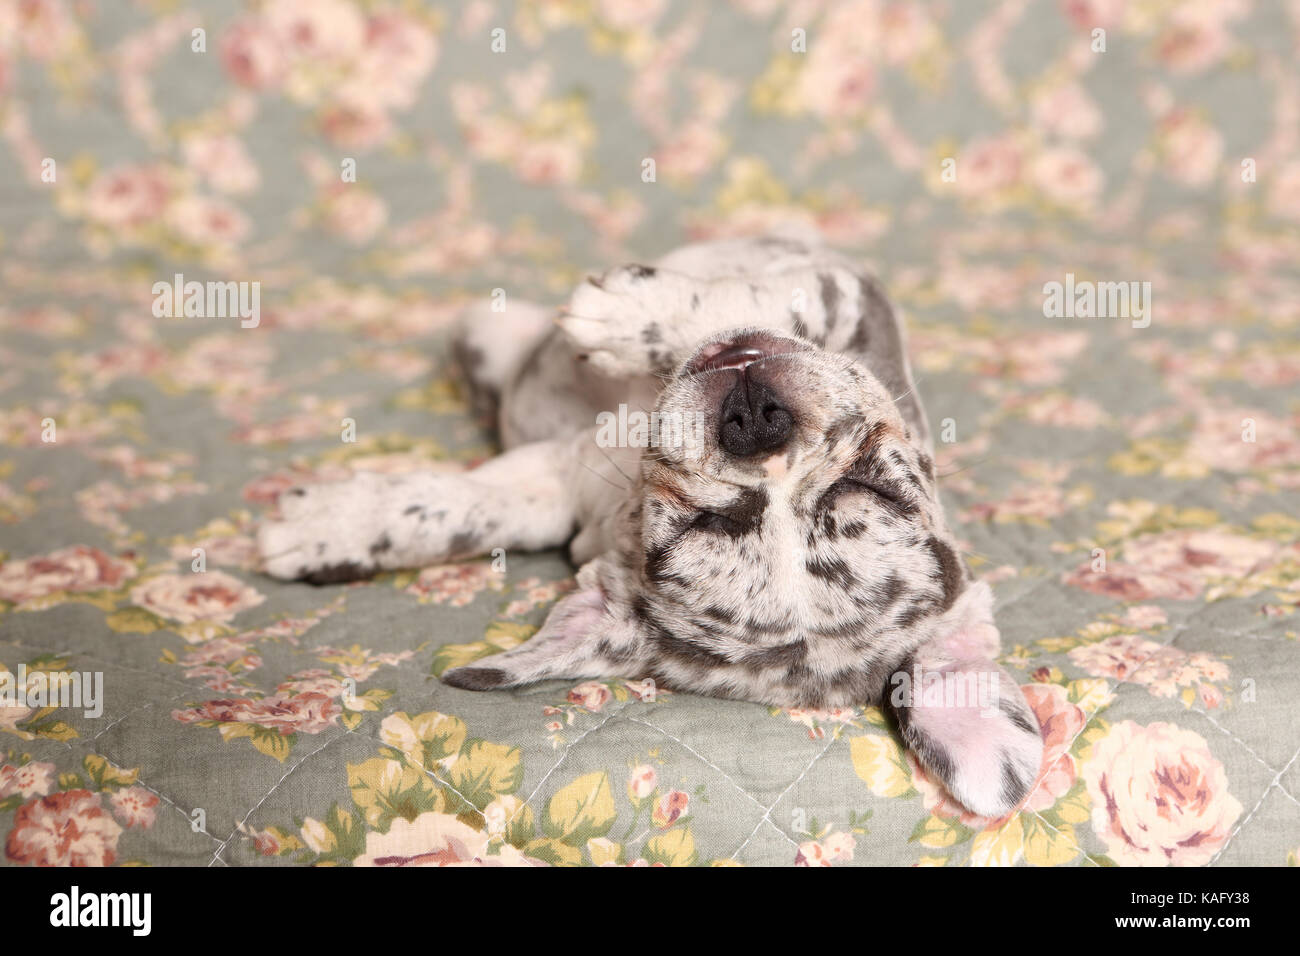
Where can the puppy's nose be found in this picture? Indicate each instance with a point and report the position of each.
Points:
(753, 419)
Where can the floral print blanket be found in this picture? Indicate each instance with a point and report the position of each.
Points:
(1126, 477)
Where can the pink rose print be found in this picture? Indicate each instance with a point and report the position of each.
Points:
(135, 807)
(1159, 797)
(63, 829)
(77, 569)
(187, 598)
(307, 713)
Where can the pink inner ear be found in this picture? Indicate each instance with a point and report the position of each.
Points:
(575, 616)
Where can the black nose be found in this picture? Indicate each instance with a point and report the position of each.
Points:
(753, 420)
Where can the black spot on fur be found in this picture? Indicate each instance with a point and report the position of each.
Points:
(381, 544)
(616, 655)
(826, 523)
(640, 272)
(849, 628)
(1026, 722)
(741, 517)
(904, 667)
(912, 615)
(467, 361)
(655, 559)
(933, 756)
(720, 614)
(928, 751)
(462, 543)
(900, 463)
(1014, 787)
(686, 652)
(927, 465)
(861, 339)
(641, 609)
(767, 627)
(833, 570)
(886, 594)
(651, 335)
(950, 574)
(413, 509)
(875, 307)
(784, 656)
(475, 678)
(296, 492)
(830, 293)
(342, 573)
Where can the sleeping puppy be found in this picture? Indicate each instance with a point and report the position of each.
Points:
(758, 520)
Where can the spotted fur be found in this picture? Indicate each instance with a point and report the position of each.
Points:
(811, 576)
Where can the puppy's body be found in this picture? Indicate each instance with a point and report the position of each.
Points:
(785, 544)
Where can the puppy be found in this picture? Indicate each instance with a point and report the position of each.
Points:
(767, 527)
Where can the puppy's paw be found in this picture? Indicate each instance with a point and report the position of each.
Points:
(622, 321)
(994, 773)
(988, 756)
(328, 534)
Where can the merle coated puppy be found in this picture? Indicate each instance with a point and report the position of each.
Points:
(774, 534)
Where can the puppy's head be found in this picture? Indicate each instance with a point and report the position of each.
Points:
(784, 542)
(790, 498)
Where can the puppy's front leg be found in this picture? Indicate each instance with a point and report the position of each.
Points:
(637, 319)
(528, 499)
(963, 716)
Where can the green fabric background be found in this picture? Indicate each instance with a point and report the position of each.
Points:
(307, 724)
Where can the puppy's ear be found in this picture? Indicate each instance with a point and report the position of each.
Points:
(963, 716)
(590, 633)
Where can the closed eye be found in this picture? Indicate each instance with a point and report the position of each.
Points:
(714, 522)
(742, 516)
(882, 488)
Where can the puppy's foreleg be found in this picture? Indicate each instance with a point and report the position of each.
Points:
(638, 319)
(641, 319)
(528, 499)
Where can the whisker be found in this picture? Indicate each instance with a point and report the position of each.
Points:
(905, 394)
(604, 478)
(272, 557)
(614, 464)
(956, 471)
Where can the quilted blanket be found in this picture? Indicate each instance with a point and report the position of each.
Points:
(1088, 210)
